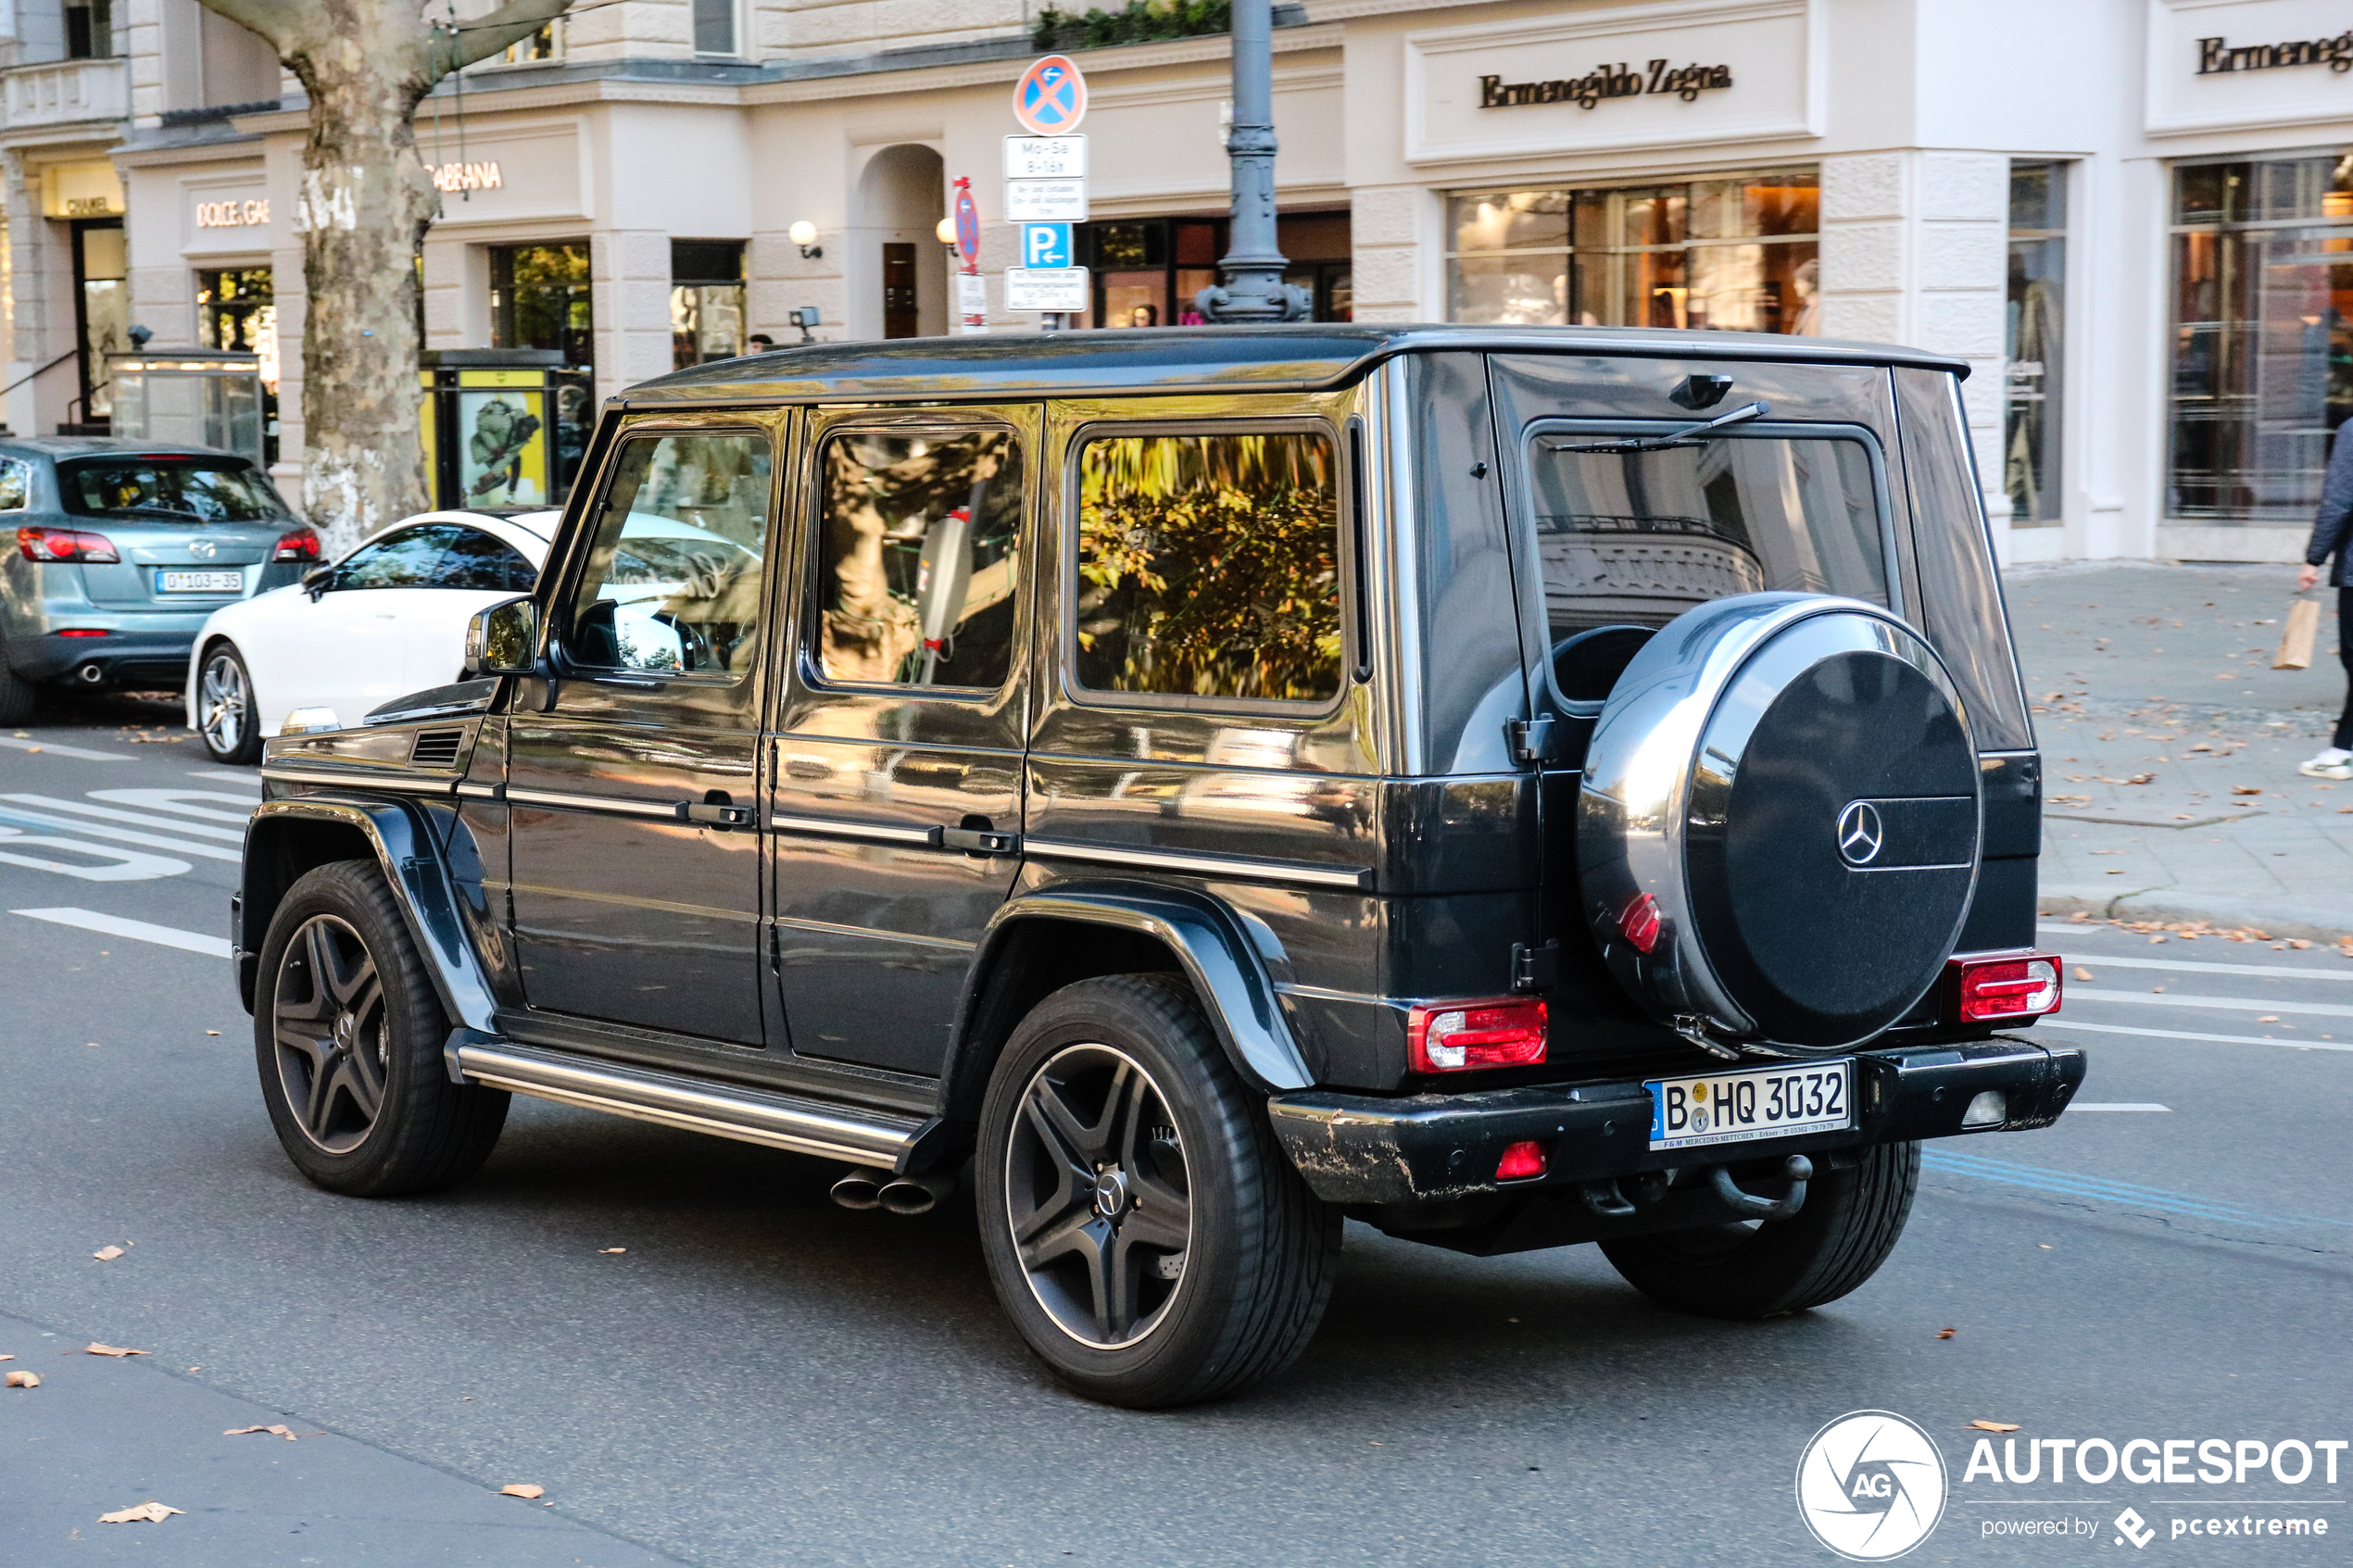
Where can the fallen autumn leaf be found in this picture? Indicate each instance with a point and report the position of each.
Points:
(612, 1251)
(522, 1490)
(150, 1511)
(2083, 973)
(1947, 1333)
(1994, 1426)
(280, 1431)
(97, 1349)
(24, 1380)
(108, 1254)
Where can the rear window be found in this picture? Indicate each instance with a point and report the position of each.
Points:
(192, 491)
(1631, 536)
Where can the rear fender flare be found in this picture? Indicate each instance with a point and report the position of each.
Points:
(414, 869)
(1210, 946)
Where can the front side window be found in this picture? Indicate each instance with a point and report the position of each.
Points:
(1737, 253)
(1208, 566)
(919, 558)
(197, 490)
(1634, 538)
(410, 558)
(674, 582)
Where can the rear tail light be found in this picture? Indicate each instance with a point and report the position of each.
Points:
(296, 544)
(65, 545)
(1459, 1037)
(1520, 1163)
(2015, 985)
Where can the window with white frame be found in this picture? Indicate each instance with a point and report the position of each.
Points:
(715, 27)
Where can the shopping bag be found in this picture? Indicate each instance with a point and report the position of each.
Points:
(2295, 637)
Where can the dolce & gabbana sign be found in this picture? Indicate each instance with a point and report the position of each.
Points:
(1686, 82)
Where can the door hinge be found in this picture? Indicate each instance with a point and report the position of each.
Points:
(1530, 739)
(1536, 968)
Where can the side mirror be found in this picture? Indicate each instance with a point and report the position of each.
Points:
(502, 640)
(316, 580)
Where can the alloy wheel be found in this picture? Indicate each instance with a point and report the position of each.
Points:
(223, 703)
(331, 1033)
(1097, 1193)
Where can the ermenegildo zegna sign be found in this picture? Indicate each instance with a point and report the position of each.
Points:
(1686, 82)
(2215, 55)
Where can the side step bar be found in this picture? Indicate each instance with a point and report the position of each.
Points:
(857, 1134)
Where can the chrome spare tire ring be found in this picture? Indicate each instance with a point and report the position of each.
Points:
(331, 1032)
(1097, 1195)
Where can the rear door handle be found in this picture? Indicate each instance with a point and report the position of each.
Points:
(979, 841)
(717, 816)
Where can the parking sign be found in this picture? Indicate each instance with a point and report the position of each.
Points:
(1045, 245)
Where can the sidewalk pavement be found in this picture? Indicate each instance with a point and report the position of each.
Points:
(2169, 746)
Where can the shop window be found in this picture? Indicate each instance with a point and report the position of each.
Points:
(2033, 341)
(89, 29)
(237, 311)
(706, 301)
(2262, 371)
(547, 44)
(1146, 271)
(102, 298)
(1737, 254)
(715, 27)
(539, 299)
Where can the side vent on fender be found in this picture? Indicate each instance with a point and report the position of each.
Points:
(435, 748)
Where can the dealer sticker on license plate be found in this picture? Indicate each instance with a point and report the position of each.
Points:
(229, 581)
(1765, 1103)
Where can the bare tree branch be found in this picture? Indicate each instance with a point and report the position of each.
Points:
(485, 36)
(279, 22)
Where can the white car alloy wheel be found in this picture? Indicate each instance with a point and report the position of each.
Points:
(225, 716)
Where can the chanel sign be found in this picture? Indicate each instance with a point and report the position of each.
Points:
(1686, 82)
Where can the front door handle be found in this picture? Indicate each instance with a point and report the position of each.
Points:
(980, 841)
(715, 809)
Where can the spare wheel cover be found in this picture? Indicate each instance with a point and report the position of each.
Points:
(1778, 824)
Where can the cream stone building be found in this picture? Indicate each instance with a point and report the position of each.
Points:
(2133, 217)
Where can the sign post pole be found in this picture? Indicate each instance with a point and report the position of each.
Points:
(1252, 289)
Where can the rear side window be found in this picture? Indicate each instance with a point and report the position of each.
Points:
(474, 559)
(194, 490)
(16, 485)
(407, 559)
(919, 557)
(1208, 566)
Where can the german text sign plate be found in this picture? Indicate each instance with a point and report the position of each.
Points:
(1765, 1103)
(1047, 288)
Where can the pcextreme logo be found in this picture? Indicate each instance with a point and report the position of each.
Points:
(1870, 1485)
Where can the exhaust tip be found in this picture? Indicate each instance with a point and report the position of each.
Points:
(916, 1195)
(91, 674)
(857, 1187)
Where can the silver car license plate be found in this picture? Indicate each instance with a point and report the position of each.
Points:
(1764, 1102)
(229, 582)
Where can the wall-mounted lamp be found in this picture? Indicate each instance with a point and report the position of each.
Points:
(805, 318)
(804, 234)
(947, 231)
(139, 338)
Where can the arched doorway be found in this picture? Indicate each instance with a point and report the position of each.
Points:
(897, 271)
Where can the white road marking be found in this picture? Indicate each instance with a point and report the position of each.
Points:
(141, 931)
(2090, 961)
(137, 819)
(53, 748)
(2229, 1004)
(129, 865)
(176, 800)
(127, 836)
(2117, 1105)
(245, 776)
(2184, 1035)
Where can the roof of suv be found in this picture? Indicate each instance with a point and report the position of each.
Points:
(1167, 359)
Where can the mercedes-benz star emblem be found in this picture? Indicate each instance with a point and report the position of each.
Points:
(1860, 835)
(202, 549)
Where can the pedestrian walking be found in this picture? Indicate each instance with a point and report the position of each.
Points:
(2331, 528)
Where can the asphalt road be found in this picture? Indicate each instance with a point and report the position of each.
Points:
(763, 1378)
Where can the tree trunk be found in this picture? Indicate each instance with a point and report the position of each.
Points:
(365, 204)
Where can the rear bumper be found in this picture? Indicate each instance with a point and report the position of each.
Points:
(130, 650)
(1433, 1149)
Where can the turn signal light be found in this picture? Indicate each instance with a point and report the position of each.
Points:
(2011, 986)
(1520, 1162)
(296, 544)
(1458, 1036)
(65, 545)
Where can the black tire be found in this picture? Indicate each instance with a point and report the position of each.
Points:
(19, 697)
(1258, 1251)
(387, 1121)
(1850, 1223)
(227, 719)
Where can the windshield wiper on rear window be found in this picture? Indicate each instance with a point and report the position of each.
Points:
(1676, 437)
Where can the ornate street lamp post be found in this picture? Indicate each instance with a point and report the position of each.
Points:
(1254, 289)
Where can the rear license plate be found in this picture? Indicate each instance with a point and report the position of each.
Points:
(1765, 1103)
(229, 581)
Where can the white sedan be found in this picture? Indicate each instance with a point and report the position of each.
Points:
(388, 619)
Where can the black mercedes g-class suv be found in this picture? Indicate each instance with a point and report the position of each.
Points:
(1514, 787)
